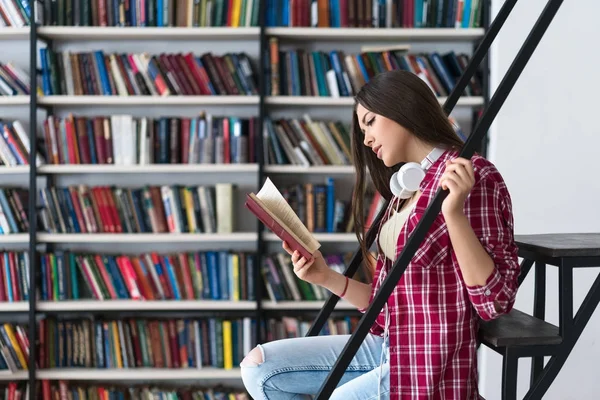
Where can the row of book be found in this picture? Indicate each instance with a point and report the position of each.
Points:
(206, 275)
(147, 209)
(375, 13)
(14, 276)
(318, 206)
(293, 327)
(144, 342)
(127, 140)
(15, 144)
(95, 342)
(283, 284)
(15, 13)
(199, 275)
(14, 210)
(154, 13)
(51, 390)
(14, 347)
(207, 139)
(306, 142)
(14, 81)
(299, 72)
(62, 389)
(133, 74)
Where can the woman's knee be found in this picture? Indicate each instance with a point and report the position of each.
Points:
(252, 376)
(254, 358)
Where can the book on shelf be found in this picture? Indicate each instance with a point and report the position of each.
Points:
(14, 81)
(133, 342)
(283, 285)
(144, 74)
(14, 210)
(15, 144)
(15, 13)
(14, 390)
(154, 13)
(147, 209)
(14, 347)
(304, 141)
(123, 139)
(375, 13)
(293, 327)
(203, 275)
(51, 390)
(336, 73)
(271, 208)
(14, 276)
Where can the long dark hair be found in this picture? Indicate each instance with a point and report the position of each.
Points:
(406, 99)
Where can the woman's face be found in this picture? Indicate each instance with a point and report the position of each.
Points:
(388, 139)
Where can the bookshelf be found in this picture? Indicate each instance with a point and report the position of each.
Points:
(250, 236)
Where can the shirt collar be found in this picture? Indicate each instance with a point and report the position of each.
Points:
(432, 172)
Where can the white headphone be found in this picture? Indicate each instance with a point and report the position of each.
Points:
(407, 179)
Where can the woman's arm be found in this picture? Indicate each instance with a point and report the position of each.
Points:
(475, 263)
(357, 293)
(480, 226)
(317, 271)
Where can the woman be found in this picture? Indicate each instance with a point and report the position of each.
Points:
(423, 344)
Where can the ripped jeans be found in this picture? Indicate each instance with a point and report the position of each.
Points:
(295, 369)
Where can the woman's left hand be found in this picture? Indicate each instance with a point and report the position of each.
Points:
(458, 178)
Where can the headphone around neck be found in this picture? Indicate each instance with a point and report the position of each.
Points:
(405, 182)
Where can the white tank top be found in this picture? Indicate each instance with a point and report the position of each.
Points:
(388, 236)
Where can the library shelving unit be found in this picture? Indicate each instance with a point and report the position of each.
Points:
(254, 238)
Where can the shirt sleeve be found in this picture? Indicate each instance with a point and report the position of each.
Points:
(377, 327)
(489, 210)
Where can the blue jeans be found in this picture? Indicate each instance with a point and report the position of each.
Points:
(295, 369)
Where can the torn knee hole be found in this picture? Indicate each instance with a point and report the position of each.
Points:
(253, 359)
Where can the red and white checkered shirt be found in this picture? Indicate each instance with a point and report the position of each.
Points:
(434, 314)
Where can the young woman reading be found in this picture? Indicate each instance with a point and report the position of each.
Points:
(423, 343)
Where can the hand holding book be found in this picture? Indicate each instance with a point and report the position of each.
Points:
(271, 208)
(312, 270)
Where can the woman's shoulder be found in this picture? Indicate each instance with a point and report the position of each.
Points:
(485, 170)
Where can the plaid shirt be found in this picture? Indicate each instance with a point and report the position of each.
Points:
(434, 314)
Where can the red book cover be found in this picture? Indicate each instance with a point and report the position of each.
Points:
(106, 277)
(129, 277)
(276, 227)
(112, 207)
(186, 276)
(14, 277)
(143, 279)
(78, 212)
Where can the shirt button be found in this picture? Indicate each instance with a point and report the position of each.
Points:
(487, 292)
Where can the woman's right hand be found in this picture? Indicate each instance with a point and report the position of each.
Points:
(314, 270)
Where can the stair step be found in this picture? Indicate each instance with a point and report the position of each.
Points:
(518, 329)
(561, 244)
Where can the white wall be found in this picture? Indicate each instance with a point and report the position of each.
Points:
(550, 115)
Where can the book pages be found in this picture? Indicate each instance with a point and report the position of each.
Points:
(274, 200)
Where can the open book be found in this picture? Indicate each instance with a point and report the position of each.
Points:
(271, 208)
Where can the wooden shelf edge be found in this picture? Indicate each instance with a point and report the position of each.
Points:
(6, 375)
(115, 374)
(304, 304)
(313, 169)
(145, 169)
(365, 34)
(17, 306)
(75, 33)
(117, 100)
(146, 237)
(144, 305)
